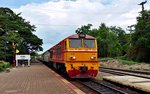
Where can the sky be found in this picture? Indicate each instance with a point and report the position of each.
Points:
(58, 19)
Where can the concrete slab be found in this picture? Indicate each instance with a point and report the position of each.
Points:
(132, 81)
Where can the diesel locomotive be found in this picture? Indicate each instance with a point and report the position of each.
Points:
(76, 55)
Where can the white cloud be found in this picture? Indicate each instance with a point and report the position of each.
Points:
(58, 19)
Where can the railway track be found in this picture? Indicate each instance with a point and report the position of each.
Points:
(122, 72)
(101, 88)
(92, 87)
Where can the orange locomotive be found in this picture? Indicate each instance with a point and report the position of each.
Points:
(76, 55)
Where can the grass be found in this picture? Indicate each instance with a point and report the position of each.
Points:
(146, 69)
(120, 60)
(105, 59)
(127, 62)
(99, 77)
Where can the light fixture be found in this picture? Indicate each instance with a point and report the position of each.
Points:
(72, 57)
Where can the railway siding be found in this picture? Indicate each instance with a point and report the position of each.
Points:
(126, 72)
(131, 81)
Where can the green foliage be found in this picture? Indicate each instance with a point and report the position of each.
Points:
(16, 33)
(1, 67)
(114, 41)
(140, 50)
(111, 41)
(105, 59)
(4, 65)
(99, 77)
(127, 62)
(85, 29)
(120, 60)
(122, 37)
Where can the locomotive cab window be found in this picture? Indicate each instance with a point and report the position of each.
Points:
(89, 43)
(75, 43)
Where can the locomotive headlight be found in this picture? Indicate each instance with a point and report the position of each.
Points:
(72, 57)
(92, 58)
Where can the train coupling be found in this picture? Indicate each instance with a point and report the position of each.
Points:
(83, 68)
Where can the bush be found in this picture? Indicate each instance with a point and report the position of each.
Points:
(1, 67)
(4, 65)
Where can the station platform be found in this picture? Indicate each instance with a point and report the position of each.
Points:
(131, 81)
(36, 79)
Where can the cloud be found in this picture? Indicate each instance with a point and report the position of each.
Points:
(57, 19)
(17, 3)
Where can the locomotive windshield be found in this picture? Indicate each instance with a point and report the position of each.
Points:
(89, 43)
(75, 43)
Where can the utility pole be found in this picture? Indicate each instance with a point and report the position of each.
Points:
(142, 4)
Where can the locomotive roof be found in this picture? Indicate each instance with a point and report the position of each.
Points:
(72, 36)
(77, 36)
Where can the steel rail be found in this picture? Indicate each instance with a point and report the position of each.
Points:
(133, 71)
(101, 88)
(124, 72)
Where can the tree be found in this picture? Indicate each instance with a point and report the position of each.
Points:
(107, 41)
(14, 30)
(109, 44)
(85, 29)
(141, 38)
(122, 37)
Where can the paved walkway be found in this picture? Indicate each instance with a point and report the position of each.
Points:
(37, 79)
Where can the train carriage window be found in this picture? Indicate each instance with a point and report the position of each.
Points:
(89, 43)
(75, 43)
